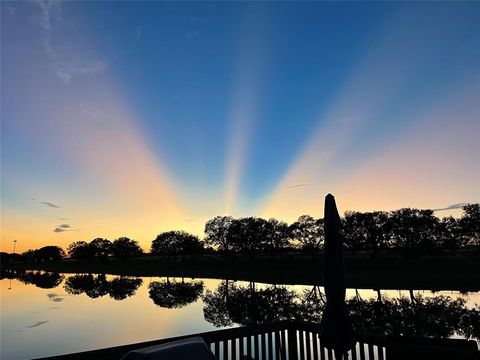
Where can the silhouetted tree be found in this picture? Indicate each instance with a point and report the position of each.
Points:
(44, 280)
(97, 286)
(176, 243)
(216, 233)
(248, 305)
(276, 236)
(308, 232)
(29, 256)
(6, 258)
(171, 295)
(369, 230)
(92, 286)
(120, 288)
(124, 248)
(80, 250)
(49, 253)
(101, 248)
(413, 229)
(248, 235)
(449, 233)
(470, 225)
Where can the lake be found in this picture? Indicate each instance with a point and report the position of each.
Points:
(45, 314)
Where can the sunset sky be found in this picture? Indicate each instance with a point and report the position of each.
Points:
(133, 118)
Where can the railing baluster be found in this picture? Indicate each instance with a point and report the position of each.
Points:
(225, 349)
(362, 351)
(380, 352)
(234, 349)
(249, 345)
(270, 345)
(371, 355)
(278, 346)
(308, 344)
(256, 346)
(242, 347)
(315, 346)
(330, 354)
(354, 352)
(283, 345)
(264, 347)
(322, 352)
(292, 344)
(301, 345)
(217, 350)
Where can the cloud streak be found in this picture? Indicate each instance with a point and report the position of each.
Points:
(63, 227)
(451, 207)
(49, 204)
(37, 324)
(297, 185)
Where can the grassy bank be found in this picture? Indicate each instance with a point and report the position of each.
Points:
(387, 271)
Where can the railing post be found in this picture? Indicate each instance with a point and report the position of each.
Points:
(292, 343)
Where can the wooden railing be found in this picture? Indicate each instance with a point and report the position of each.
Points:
(285, 340)
(290, 340)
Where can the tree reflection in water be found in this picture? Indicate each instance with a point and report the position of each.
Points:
(439, 316)
(97, 286)
(41, 279)
(230, 303)
(174, 295)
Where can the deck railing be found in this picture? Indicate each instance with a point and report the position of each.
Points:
(284, 340)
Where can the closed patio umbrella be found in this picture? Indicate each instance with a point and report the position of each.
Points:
(336, 331)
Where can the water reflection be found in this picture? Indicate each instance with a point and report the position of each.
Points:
(40, 279)
(175, 295)
(97, 286)
(438, 316)
(239, 303)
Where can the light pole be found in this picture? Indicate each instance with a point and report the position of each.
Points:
(14, 243)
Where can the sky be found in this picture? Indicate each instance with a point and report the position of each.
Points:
(133, 118)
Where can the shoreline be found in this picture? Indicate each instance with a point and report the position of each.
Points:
(385, 272)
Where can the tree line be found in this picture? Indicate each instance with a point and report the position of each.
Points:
(410, 230)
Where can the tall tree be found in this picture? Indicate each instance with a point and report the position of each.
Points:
(176, 243)
(80, 250)
(101, 248)
(50, 253)
(124, 248)
(309, 233)
(216, 233)
(276, 235)
(470, 225)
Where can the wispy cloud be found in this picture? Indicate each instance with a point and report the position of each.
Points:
(63, 218)
(297, 185)
(49, 204)
(66, 64)
(51, 11)
(92, 111)
(55, 298)
(451, 207)
(64, 59)
(63, 227)
(38, 323)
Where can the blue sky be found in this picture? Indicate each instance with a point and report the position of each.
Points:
(137, 117)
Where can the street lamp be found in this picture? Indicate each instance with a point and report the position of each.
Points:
(14, 243)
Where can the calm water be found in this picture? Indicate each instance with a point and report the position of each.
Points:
(48, 314)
